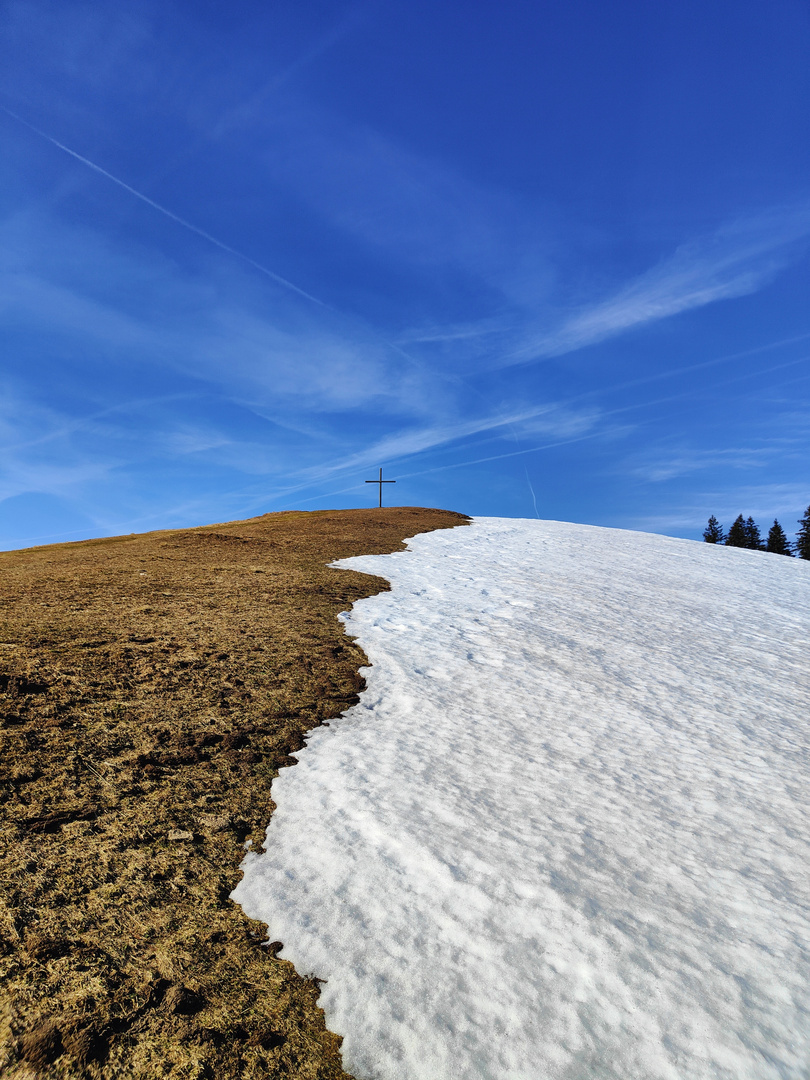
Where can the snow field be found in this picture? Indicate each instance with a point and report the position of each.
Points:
(564, 834)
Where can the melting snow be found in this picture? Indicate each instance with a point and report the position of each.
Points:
(565, 832)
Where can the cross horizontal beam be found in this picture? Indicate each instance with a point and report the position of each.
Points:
(380, 481)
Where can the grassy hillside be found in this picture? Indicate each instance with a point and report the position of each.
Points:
(150, 689)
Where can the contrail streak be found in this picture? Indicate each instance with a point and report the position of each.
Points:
(235, 115)
(168, 213)
(531, 489)
(500, 457)
(611, 412)
(293, 489)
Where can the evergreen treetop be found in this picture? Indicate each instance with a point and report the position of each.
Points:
(713, 533)
(737, 536)
(777, 541)
(752, 538)
(744, 533)
(803, 536)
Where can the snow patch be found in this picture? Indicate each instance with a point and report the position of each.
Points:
(564, 834)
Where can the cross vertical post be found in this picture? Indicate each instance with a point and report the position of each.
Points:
(381, 482)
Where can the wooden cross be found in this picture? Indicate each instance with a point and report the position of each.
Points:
(381, 482)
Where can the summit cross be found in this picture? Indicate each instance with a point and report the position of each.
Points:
(381, 482)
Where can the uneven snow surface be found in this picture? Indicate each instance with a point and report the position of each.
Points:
(565, 832)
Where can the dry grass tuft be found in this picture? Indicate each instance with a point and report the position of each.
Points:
(151, 687)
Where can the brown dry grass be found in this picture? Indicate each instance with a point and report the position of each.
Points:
(150, 689)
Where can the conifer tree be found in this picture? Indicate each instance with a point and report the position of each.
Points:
(777, 541)
(737, 536)
(752, 538)
(713, 533)
(802, 544)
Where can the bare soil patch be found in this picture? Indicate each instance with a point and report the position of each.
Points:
(151, 687)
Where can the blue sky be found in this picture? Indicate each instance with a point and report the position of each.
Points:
(530, 258)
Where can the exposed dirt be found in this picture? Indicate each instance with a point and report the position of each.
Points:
(151, 687)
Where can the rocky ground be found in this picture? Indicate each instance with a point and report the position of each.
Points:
(151, 687)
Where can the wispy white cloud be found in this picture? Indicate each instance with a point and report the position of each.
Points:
(220, 331)
(608, 434)
(667, 466)
(508, 252)
(67, 476)
(738, 259)
(254, 105)
(416, 215)
(304, 370)
(764, 502)
(289, 366)
(82, 42)
(453, 333)
(352, 396)
(546, 419)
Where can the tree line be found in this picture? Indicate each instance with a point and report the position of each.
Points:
(744, 533)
